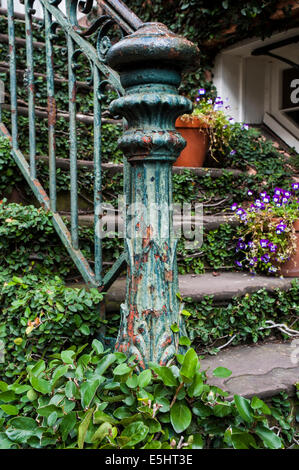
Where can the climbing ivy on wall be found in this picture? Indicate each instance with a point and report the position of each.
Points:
(203, 22)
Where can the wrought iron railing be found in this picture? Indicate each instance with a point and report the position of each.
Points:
(144, 67)
(101, 74)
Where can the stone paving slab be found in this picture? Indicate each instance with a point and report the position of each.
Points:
(263, 370)
(209, 222)
(223, 287)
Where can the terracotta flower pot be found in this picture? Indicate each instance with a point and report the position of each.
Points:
(195, 133)
(291, 267)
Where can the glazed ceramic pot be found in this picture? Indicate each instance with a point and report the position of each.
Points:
(291, 267)
(195, 133)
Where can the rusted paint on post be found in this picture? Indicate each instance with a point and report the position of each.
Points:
(150, 62)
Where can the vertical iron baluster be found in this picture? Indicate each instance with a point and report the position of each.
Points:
(30, 85)
(13, 76)
(73, 142)
(51, 109)
(98, 211)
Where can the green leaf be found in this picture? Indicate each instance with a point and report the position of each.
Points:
(68, 423)
(88, 390)
(186, 313)
(196, 386)
(166, 375)
(222, 372)
(184, 341)
(222, 410)
(38, 368)
(132, 381)
(180, 417)
(144, 378)
(136, 432)
(97, 346)
(32, 395)
(7, 396)
(122, 412)
(67, 357)
(104, 363)
(243, 407)
(41, 385)
(5, 443)
(21, 429)
(58, 373)
(101, 417)
(239, 439)
(175, 328)
(10, 409)
(104, 430)
(3, 386)
(269, 438)
(47, 410)
(122, 369)
(197, 442)
(82, 429)
(258, 404)
(85, 329)
(189, 365)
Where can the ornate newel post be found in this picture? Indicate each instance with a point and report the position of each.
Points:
(150, 62)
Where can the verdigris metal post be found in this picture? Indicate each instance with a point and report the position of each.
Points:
(150, 62)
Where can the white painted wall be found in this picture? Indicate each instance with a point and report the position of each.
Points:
(253, 84)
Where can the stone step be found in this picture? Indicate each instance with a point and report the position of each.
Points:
(262, 370)
(223, 286)
(115, 168)
(210, 222)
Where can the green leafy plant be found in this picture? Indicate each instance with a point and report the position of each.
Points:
(92, 398)
(244, 319)
(213, 121)
(41, 315)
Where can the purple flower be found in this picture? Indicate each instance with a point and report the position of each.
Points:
(272, 269)
(253, 261)
(250, 244)
(245, 126)
(231, 120)
(259, 204)
(295, 186)
(278, 191)
(265, 258)
(233, 152)
(280, 228)
(264, 242)
(241, 244)
(201, 91)
(266, 199)
(250, 193)
(238, 263)
(234, 206)
(272, 247)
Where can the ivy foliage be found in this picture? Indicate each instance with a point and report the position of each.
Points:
(244, 319)
(204, 22)
(93, 399)
(40, 316)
